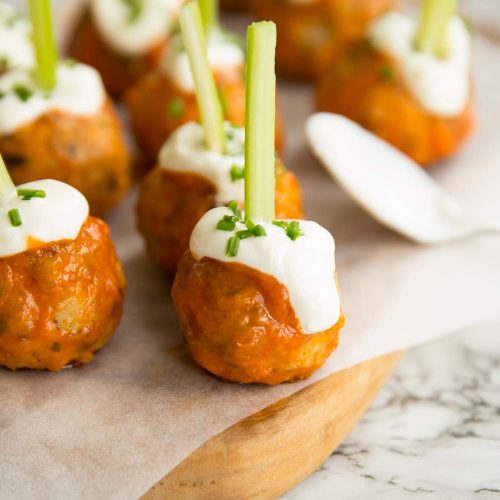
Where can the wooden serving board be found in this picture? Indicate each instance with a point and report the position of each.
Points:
(268, 453)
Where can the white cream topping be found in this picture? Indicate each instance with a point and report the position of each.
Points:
(133, 32)
(79, 91)
(58, 216)
(16, 49)
(225, 55)
(441, 85)
(305, 266)
(185, 151)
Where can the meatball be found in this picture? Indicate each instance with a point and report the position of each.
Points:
(118, 71)
(171, 203)
(367, 86)
(157, 107)
(312, 34)
(88, 153)
(239, 324)
(61, 302)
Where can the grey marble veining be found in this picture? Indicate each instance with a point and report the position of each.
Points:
(433, 432)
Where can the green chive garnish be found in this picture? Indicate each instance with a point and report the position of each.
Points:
(232, 246)
(44, 43)
(175, 108)
(15, 217)
(134, 10)
(237, 173)
(27, 194)
(227, 223)
(22, 92)
(292, 228)
(432, 32)
(233, 206)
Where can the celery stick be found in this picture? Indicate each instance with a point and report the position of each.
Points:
(7, 187)
(260, 122)
(209, 14)
(432, 32)
(44, 43)
(207, 98)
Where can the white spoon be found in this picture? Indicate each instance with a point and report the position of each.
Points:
(388, 184)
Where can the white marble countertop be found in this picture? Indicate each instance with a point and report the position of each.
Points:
(433, 431)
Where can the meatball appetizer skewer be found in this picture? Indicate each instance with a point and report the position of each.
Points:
(417, 72)
(164, 99)
(200, 166)
(57, 122)
(312, 33)
(257, 297)
(123, 39)
(61, 283)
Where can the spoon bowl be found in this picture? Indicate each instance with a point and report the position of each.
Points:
(390, 186)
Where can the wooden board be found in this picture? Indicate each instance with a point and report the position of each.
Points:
(268, 453)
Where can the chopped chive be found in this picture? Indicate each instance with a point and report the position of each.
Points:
(260, 122)
(2, 95)
(27, 194)
(259, 230)
(44, 42)
(232, 246)
(237, 173)
(134, 10)
(227, 223)
(387, 73)
(15, 217)
(432, 32)
(246, 233)
(175, 108)
(233, 206)
(7, 188)
(206, 92)
(209, 14)
(292, 228)
(22, 92)
(4, 63)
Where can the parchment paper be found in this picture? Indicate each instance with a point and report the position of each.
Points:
(114, 428)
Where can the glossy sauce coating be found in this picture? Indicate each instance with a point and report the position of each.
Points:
(171, 203)
(61, 302)
(366, 86)
(157, 107)
(240, 326)
(118, 71)
(312, 34)
(87, 152)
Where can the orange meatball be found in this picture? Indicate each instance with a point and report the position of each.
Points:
(157, 107)
(367, 86)
(61, 302)
(171, 203)
(118, 71)
(87, 152)
(240, 325)
(312, 34)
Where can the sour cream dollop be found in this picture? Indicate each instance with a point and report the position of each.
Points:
(16, 49)
(185, 151)
(58, 216)
(133, 28)
(225, 55)
(79, 90)
(441, 85)
(305, 266)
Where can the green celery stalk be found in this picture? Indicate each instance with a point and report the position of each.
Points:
(209, 14)
(7, 187)
(260, 122)
(207, 98)
(432, 32)
(44, 43)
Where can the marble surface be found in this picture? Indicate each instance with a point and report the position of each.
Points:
(433, 432)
